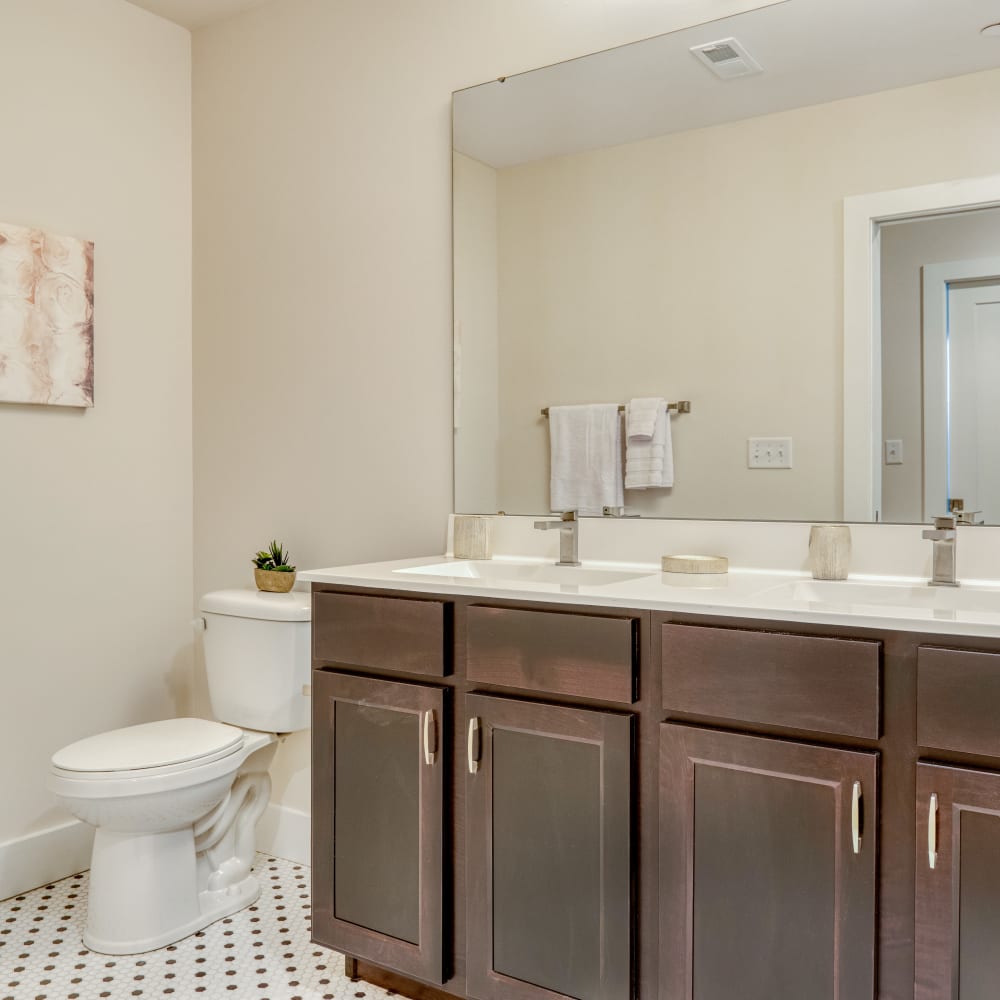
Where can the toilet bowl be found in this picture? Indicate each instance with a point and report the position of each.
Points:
(175, 802)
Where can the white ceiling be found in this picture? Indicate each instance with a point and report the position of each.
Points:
(196, 13)
(812, 51)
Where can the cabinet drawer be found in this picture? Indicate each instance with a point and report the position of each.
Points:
(388, 633)
(586, 655)
(958, 700)
(796, 681)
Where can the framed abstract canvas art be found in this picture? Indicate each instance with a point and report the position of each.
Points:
(46, 318)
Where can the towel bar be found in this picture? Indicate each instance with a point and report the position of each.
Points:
(682, 406)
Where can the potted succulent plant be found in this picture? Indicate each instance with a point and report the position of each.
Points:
(272, 571)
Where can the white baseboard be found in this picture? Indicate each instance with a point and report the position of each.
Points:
(44, 856)
(285, 833)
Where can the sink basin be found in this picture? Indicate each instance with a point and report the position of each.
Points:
(860, 597)
(526, 573)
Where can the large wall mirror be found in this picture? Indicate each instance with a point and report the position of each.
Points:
(632, 224)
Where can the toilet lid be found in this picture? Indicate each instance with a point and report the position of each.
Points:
(153, 744)
(292, 607)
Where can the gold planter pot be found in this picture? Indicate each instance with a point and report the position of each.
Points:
(274, 583)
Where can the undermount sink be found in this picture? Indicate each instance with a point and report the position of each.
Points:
(512, 572)
(861, 596)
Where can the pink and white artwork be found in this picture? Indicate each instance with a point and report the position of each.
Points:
(46, 318)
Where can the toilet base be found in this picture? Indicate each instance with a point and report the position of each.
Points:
(149, 890)
(173, 850)
(238, 897)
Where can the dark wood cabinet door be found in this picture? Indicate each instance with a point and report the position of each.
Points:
(767, 868)
(958, 884)
(548, 852)
(378, 821)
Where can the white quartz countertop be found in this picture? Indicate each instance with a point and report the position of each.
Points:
(898, 603)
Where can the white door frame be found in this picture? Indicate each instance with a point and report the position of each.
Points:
(937, 278)
(863, 216)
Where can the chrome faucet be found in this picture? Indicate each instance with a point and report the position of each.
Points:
(944, 536)
(569, 539)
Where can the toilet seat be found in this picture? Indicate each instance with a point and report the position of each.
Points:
(155, 756)
(151, 748)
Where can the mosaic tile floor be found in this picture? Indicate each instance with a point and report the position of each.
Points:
(262, 952)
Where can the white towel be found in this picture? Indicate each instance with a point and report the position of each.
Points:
(586, 446)
(667, 479)
(650, 464)
(645, 464)
(640, 417)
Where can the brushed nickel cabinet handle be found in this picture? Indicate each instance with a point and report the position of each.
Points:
(856, 817)
(430, 737)
(473, 755)
(932, 814)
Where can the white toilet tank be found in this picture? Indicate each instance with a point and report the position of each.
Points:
(257, 658)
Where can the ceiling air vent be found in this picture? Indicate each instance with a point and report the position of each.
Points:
(726, 58)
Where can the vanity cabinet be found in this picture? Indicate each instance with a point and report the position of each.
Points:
(767, 868)
(768, 846)
(473, 806)
(378, 815)
(958, 826)
(548, 851)
(521, 800)
(958, 883)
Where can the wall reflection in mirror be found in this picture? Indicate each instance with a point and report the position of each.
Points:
(630, 224)
(940, 331)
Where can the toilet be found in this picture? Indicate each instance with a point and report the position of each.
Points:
(175, 803)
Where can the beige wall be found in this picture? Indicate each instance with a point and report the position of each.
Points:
(322, 360)
(96, 504)
(323, 333)
(477, 412)
(906, 248)
(707, 266)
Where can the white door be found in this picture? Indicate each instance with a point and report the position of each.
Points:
(981, 278)
(974, 396)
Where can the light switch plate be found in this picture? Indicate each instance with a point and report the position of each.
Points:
(893, 452)
(769, 453)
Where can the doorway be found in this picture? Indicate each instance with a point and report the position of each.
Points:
(932, 416)
(966, 333)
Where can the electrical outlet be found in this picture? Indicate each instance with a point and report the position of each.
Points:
(769, 453)
(894, 452)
